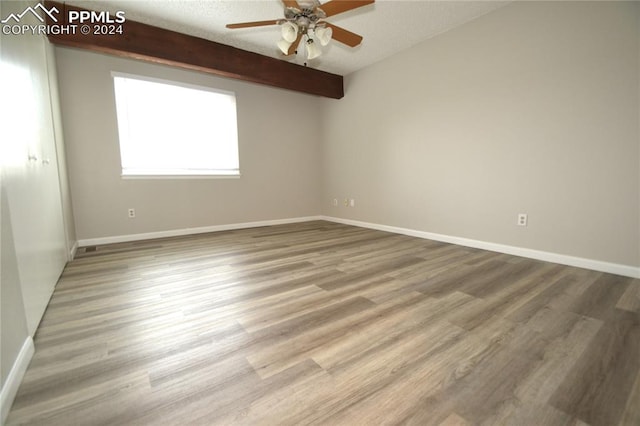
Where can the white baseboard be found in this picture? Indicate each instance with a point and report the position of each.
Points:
(10, 387)
(191, 231)
(596, 265)
(74, 249)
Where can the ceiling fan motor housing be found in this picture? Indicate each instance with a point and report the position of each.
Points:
(305, 18)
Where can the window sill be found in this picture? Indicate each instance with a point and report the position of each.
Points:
(185, 176)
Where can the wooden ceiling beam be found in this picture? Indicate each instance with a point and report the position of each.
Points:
(146, 42)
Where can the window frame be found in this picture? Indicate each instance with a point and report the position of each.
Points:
(177, 173)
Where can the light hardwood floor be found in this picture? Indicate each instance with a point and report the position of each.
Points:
(321, 323)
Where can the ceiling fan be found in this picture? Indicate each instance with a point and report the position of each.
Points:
(305, 18)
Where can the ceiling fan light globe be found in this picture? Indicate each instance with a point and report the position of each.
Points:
(284, 45)
(313, 50)
(323, 34)
(289, 31)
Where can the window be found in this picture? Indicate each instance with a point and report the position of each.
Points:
(174, 129)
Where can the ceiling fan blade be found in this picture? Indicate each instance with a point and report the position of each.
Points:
(344, 36)
(291, 3)
(334, 7)
(294, 45)
(253, 24)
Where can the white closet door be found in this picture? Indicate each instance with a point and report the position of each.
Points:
(30, 169)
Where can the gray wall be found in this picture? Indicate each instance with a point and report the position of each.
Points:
(279, 146)
(531, 109)
(56, 117)
(13, 320)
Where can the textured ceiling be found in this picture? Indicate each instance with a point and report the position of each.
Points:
(388, 26)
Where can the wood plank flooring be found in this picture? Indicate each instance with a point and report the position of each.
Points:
(322, 323)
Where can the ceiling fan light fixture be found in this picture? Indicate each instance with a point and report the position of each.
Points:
(313, 50)
(289, 31)
(323, 34)
(284, 45)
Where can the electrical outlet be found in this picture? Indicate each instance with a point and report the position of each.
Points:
(132, 213)
(352, 202)
(522, 219)
(335, 202)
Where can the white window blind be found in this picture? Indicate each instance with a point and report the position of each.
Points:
(168, 128)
